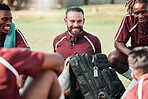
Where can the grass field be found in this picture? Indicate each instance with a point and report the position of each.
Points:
(40, 27)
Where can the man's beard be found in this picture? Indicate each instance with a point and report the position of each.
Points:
(75, 34)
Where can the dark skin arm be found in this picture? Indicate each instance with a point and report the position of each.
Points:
(53, 62)
(45, 85)
(121, 47)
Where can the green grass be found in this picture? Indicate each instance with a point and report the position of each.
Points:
(40, 27)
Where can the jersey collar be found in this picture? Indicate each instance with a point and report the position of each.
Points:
(77, 37)
(74, 39)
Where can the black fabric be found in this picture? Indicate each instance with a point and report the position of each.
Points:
(77, 96)
(73, 93)
(72, 84)
(107, 81)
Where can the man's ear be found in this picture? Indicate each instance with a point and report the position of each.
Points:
(65, 19)
(134, 76)
(83, 20)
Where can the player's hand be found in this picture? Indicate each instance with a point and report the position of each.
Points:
(66, 64)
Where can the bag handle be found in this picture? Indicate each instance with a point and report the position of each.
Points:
(72, 84)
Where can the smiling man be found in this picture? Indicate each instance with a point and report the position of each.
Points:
(6, 21)
(7, 27)
(10, 36)
(134, 26)
(75, 39)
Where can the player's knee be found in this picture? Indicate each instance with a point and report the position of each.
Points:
(112, 60)
(55, 87)
(59, 92)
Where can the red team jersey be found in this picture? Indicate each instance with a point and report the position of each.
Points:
(131, 29)
(133, 93)
(20, 40)
(85, 43)
(24, 62)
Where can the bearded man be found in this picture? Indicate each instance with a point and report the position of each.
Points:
(75, 39)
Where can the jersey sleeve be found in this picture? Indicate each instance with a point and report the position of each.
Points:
(123, 34)
(20, 40)
(95, 42)
(98, 46)
(57, 40)
(24, 61)
(132, 93)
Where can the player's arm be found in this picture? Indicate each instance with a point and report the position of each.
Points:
(53, 62)
(121, 47)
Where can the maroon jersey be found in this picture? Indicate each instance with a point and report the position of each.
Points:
(16, 61)
(84, 43)
(133, 93)
(131, 29)
(20, 40)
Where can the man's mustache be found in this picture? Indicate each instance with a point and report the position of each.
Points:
(75, 27)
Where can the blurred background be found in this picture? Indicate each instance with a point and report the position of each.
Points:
(42, 20)
(50, 4)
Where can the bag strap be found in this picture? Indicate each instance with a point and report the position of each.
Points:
(73, 84)
(9, 66)
(140, 89)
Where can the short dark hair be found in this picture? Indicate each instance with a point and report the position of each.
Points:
(4, 7)
(138, 57)
(74, 8)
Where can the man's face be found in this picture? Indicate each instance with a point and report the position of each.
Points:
(141, 13)
(5, 21)
(74, 22)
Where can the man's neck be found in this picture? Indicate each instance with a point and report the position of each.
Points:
(142, 76)
(1, 34)
(144, 25)
(70, 34)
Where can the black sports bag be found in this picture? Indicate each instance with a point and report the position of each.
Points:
(95, 77)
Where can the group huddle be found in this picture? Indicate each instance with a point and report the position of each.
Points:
(50, 71)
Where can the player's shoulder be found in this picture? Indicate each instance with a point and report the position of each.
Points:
(132, 92)
(18, 31)
(91, 36)
(12, 51)
(60, 36)
(129, 17)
